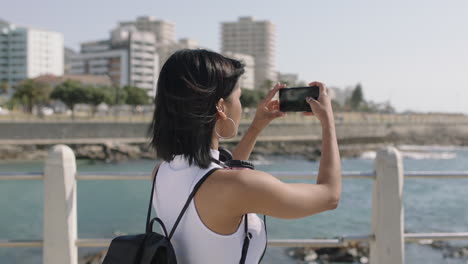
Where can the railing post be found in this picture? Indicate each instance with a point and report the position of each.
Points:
(387, 209)
(60, 218)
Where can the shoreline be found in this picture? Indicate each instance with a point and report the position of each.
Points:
(309, 149)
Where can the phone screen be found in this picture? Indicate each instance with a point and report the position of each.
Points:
(293, 99)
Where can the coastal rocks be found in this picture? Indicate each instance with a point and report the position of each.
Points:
(118, 152)
(94, 152)
(22, 152)
(308, 150)
(358, 252)
(115, 152)
(93, 258)
(448, 250)
(354, 253)
(436, 137)
(109, 152)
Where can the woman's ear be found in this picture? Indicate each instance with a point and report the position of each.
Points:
(220, 108)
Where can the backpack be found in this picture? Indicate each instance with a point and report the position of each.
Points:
(154, 248)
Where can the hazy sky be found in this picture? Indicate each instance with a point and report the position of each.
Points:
(413, 53)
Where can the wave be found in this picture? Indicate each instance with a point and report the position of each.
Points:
(368, 155)
(428, 155)
(430, 148)
(416, 155)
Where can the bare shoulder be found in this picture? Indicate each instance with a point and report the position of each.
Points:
(241, 179)
(217, 200)
(235, 183)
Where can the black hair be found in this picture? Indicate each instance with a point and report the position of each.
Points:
(190, 84)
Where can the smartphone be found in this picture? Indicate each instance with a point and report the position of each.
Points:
(293, 99)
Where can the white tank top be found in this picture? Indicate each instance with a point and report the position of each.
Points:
(193, 242)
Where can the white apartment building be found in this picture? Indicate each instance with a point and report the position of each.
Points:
(129, 58)
(255, 38)
(247, 80)
(163, 30)
(143, 60)
(29, 52)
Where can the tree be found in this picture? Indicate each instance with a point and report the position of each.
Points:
(285, 82)
(266, 85)
(250, 98)
(336, 105)
(31, 93)
(4, 87)
(136, 96)
(117, 95)
(70, 93)
(95, 96)
(357, 97)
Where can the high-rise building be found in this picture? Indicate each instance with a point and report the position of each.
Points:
(142, 56)
(111, 63)
(255, 38)
(246, 81)
(166, 50)
(129, 58)
(27, 52)
(69, 56)
(163, 30)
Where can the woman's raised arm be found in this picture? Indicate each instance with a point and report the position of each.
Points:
(254, 191)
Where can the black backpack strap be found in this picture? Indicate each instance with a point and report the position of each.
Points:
(245, 246)
(148, 215)
(266, 238)
(192, 194)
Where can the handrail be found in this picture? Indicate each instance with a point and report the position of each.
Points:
(280, 175)
(327, 242)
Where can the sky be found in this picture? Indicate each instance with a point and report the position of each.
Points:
(412, 53)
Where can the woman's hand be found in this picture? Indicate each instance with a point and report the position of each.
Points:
(267, 110)
(322, 107)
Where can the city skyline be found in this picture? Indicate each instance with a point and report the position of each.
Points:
(398, 51)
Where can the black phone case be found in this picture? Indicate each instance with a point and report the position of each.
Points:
(293, 99)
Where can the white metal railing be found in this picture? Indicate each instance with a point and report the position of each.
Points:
(60, 240)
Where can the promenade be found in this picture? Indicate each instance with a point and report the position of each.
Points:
(350, 127)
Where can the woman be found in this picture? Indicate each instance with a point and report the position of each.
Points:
(198, 102)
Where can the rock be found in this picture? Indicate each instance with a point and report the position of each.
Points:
(22, 152)
(357, 252)
(353, 252)
(8, 152)
(148, 155)
(93, 258)
(425, 242)
(440, 245)
(464, 252)
(94, 152)
(312, 255)
(35, 155)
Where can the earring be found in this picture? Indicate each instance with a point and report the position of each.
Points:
(233, 132)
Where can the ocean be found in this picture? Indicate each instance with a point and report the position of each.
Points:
(107, 208)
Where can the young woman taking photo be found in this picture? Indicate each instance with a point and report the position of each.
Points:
(197, 103)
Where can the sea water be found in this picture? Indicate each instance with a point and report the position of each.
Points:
(114, 207)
